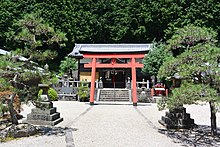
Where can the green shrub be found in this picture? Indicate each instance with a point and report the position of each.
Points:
(51, 93)
(83, 92)
(40, 93)
(3, 109)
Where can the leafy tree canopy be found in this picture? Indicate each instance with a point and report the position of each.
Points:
(108, 21)
(154, 59)
(68, 65)
(197, 63)
(33, 34)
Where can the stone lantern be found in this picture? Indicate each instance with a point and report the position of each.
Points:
(44, 113)
(45, 101)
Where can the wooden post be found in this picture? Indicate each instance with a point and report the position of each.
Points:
(166, 92)
(152, 92)
(134, 86)
(92, 88)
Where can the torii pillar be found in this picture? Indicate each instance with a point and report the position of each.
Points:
(92, 87)
(134, 86)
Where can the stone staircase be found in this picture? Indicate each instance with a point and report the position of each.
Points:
(114, 95)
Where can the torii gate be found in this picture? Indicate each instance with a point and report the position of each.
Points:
(133, 65)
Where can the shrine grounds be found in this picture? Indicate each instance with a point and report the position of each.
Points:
(118, 125)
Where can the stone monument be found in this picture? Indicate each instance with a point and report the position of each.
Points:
(128, 83)
(44, 113)
(177, 118)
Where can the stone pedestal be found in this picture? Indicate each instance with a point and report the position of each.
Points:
(45, 113)
(177, 118)
(44, 117)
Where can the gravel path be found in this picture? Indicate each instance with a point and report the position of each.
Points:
(108, 126)
(117, 126)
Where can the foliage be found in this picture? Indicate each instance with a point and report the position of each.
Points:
(196, 60)
(192, 57)
(154, 59)
(4, 85)
(33, 34)
(40, 93)
(49, 78)
(83, 91)
(68, 65)
(105, 21)
(22, 79)
(3, 109)
(189, 36)
(190, 93)
(108, 21)
(51, 93)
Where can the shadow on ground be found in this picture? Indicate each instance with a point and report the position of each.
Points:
(43, 130)
(196, 137)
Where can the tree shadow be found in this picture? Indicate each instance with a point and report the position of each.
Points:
(199, 136)
(59, 131)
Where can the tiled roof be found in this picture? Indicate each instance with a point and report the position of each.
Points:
(109, 48)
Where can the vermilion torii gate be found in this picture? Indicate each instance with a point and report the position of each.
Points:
(133, 65)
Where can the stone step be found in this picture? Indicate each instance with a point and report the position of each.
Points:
(43, 117)
(112, 100)
(44, 111)
(111, 96)
(41, 122)
(114, 95)
(115, 98)
(57, 121)
(106, 96)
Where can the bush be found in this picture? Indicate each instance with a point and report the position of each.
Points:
(51, 93)
(3, 109)
(83, 92)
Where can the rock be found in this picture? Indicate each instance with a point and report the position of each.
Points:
(22, 130)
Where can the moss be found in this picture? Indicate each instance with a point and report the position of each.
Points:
(7, 139)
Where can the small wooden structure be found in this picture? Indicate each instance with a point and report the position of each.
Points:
(159, 90)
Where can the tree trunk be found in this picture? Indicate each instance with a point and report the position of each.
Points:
(213, 118)
(12, 112)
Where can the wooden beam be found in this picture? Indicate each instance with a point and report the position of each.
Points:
(116, 65)
(101, 56)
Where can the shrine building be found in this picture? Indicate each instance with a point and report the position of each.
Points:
(114, 64)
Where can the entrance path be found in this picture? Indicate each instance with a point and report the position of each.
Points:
(102, 126)
(119, 126)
